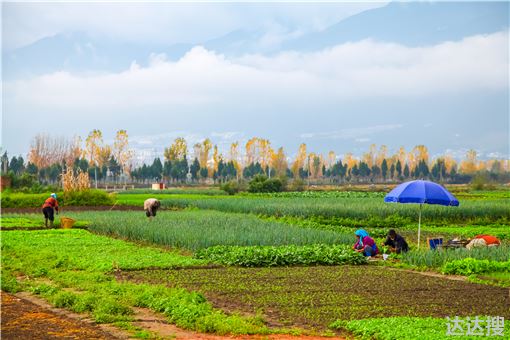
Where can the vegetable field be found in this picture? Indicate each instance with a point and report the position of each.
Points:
(262, 263)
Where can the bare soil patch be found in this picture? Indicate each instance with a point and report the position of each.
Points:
(313, 297)
(22, 319)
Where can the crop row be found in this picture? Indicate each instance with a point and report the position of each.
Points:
(194, 229)
(291, 255)
(351, 209)
(436, 259)
(470, 266)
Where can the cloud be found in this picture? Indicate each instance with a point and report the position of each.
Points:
(202, 78)
(283, 94)
(168, 23)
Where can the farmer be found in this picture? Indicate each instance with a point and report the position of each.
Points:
(151, 205)
(396, 242)
(365, 244)
(483, 241)
(48, 207)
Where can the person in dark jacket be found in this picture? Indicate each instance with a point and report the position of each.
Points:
(396, 242)
(49, 206)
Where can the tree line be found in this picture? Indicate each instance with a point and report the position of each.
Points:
(49, 157)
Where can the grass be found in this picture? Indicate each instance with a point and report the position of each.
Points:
(28, 221)
(193, 229)
(72, 269)
(405, 328)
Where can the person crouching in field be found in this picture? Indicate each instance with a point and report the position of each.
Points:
(151, 206)
(483, 241)
(396, 242)
(365, 244)
(48, 208)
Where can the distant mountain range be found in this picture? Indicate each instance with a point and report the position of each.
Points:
(410, 24)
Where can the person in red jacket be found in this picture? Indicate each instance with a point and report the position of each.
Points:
(49, 206)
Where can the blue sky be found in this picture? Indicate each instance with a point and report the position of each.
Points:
(337, 76)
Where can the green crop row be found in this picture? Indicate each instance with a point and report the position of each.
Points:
(408, 328)
(174, 191)
(470, 266)
(318, 194)
(352, 211)
(436, 259)
(291, 255)
(77, 198)
(31, 221)
(194, 229)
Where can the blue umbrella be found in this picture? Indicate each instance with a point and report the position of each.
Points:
(421, 192)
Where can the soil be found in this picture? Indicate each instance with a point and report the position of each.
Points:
(28, 317)
(22, 319)
(313, 297)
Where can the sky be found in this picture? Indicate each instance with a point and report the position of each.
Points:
(335, 76)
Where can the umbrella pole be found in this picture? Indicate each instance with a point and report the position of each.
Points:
(419, 226)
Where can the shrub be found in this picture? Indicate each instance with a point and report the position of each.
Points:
(297, 184)
(231, 187)
(261, 183)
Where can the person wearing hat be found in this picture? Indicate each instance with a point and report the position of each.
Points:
(49, 207)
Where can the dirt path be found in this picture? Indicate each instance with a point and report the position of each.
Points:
(22, 319)
(25, 316)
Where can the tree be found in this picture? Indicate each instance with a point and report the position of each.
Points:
(46, 150)
(201, 151)
(93, 145)
(156, 169)
(177, 151)
(234, 156)
(406, 171)
(398, 168)
(384, 169)
(470, 164)
(121, 151)
(279, 162)
(299, 162)
(5, 163)
(194, 169)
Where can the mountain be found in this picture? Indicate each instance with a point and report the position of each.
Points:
(410, 24)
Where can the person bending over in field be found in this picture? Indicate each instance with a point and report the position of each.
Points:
(365, 244)
(151, 206)
(483, 241)
(396, 242)
(49, 206)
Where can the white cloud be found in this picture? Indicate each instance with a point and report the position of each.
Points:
(167, 23)
(202, 80)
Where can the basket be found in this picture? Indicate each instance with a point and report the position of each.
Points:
(66, 222)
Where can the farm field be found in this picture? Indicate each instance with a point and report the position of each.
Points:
(318, 296)
(264, 263)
